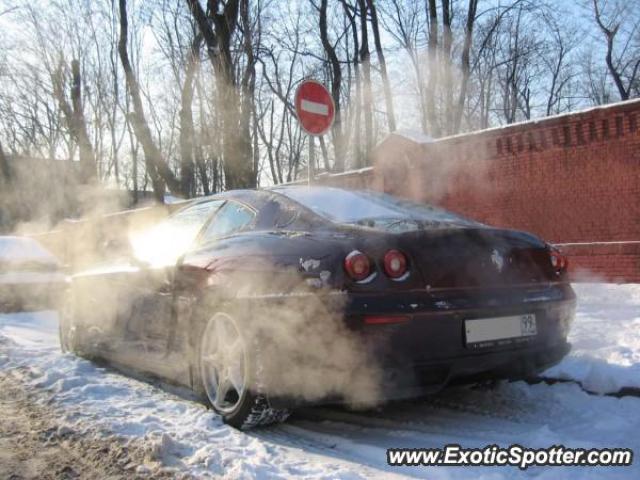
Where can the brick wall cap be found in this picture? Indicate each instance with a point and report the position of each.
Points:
(624, 105)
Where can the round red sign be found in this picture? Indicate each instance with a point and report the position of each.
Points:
(314, 107)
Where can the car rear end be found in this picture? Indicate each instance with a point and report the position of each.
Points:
(437, 297)
(466, 304)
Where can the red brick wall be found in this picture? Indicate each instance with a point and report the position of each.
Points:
(614, 261)
(570, 179)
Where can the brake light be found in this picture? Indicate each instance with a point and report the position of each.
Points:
(384, 319)
(559, 262)
(357, 265)
(395, 264)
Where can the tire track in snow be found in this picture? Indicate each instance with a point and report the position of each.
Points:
(623, 392)
(531, 415)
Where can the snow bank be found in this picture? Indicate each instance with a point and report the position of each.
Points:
(605, 338)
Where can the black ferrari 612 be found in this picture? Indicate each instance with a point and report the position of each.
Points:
(264, 300)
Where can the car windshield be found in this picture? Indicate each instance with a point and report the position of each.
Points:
(372, 209)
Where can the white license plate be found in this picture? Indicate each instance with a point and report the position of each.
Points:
(491, 330)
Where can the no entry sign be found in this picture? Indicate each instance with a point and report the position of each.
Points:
(314, 107)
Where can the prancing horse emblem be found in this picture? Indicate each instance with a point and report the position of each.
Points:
(497, 259)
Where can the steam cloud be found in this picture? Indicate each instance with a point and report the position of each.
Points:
(301, 347)
(307, 349)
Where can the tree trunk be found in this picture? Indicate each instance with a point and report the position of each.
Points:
(236, 142)
(365, 61)
(325, 154)
(88, 165)
(200, 159)
(336, 83)
(187, 177)
(158, 170)
(610, 35)
(5, 169)
(432, 84)
(74, 117)
(445, 61)
(466, 68)
(357, 101)
(388, 98)
(247, 133)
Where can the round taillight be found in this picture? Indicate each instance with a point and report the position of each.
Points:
(357, 265)
(395, 264)
(558, 261)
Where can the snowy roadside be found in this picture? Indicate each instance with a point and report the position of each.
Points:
(34, 445)
(183, 437)
(605, 356)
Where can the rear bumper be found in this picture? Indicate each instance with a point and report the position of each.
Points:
(416, 380)
(413, 381)
(428, 350)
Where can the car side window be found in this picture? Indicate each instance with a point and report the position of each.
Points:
(232, 217)
(166, 241)
(195, 216)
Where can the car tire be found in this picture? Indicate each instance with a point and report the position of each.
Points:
(249, 407)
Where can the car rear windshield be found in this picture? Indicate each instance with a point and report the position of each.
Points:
(372, 209)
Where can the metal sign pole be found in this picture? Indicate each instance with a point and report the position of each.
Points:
(312, 159)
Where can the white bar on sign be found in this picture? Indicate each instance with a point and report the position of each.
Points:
(315, 107)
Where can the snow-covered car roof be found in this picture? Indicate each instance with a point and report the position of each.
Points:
(24, 249)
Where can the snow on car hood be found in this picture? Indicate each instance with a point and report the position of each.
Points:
(25, 278)
(21, 250)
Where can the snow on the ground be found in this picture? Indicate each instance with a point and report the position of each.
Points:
(182, 434)
(336, 443)
(606, 339)
(31, 330)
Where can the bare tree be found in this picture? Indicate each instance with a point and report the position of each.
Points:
(148, 114)
(157, 168)
(557, 60)
(404, 21)
(466, 64)
(336, 84)
(388, 97)
(365, 62)
(432, 85)
(187, 135)
(620, 66)
(218, 26)
(74, 115)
